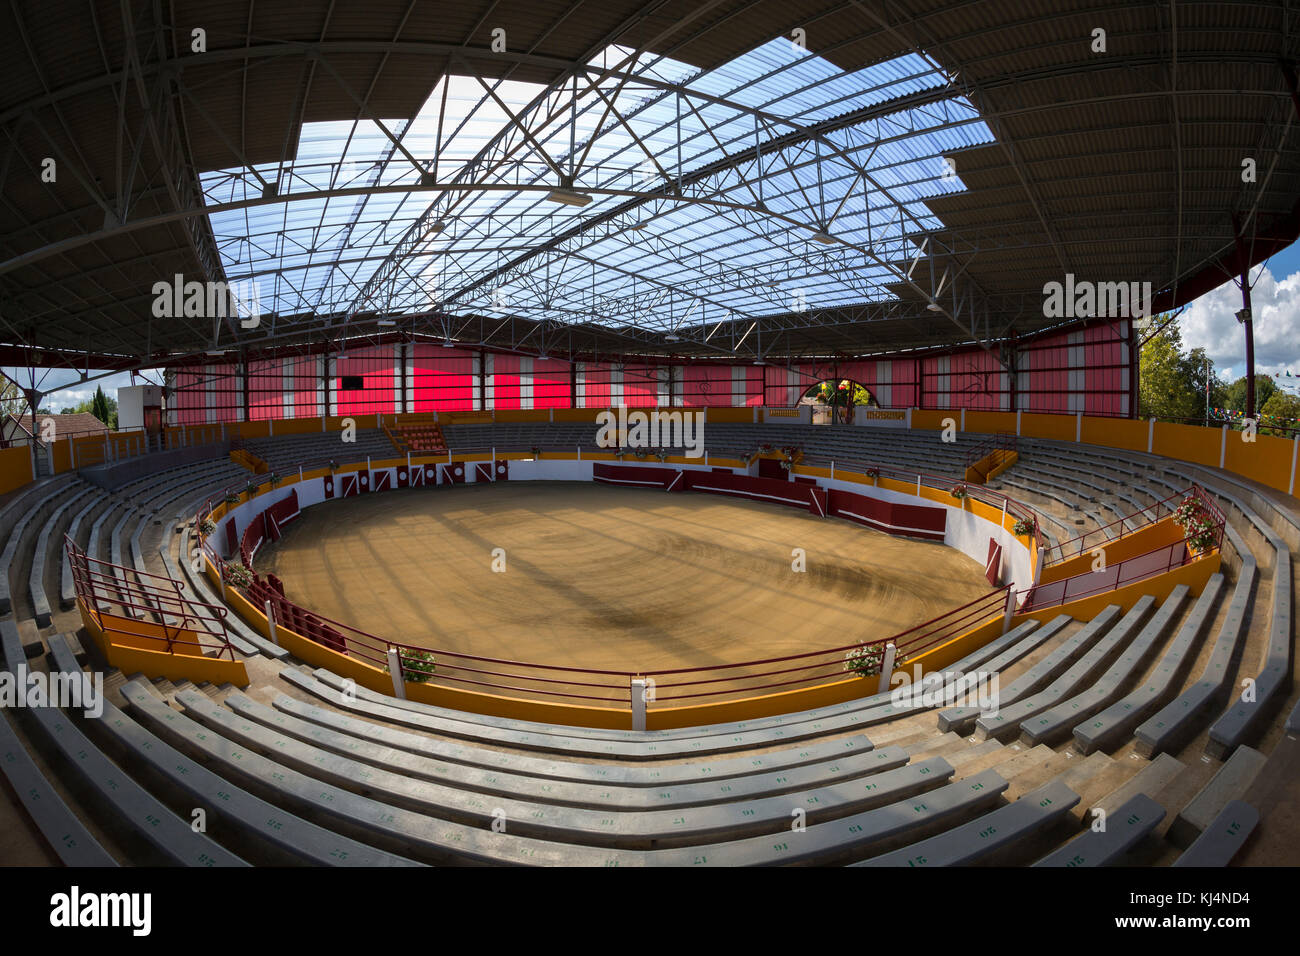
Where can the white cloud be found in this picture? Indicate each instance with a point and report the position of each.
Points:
(1210, 323)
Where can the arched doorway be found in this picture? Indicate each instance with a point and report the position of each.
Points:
(833, 400)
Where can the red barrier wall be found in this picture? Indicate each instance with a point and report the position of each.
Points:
(914, 521)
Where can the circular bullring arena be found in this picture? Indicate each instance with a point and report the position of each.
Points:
(610, 578)
(626, 434)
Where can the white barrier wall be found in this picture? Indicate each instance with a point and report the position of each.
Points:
(965, 531)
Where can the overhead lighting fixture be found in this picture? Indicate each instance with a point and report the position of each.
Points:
(448, 344)
(635, 227)
(568, 197)
(387, 322)
(435, 228)
(824, 237)
(935, 307)
(671, 338)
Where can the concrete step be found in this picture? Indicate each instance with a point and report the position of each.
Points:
(1231, 782)
(1150, 779)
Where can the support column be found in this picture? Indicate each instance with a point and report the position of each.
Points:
(1246, 317)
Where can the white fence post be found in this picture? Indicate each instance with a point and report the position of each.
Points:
(395, 671)
(270, 620)
(638, 703)
(886, 668)
(1011, 609)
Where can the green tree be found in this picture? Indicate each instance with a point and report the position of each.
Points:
(1235, 394)
(11, 399)
(1280, 405)
(102, 407)
(1170, 383)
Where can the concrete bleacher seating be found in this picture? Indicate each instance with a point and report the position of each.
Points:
(961, 719)
(606, 825)
(175, 841)
(41, 605)
(429, 761)
(1220, 841)
(1123, 829)
(1104, 728)
(987, 834)
(1178, 718)
(1230, 782)
(63, 830)
(625, 774)
(425, 836)
(69, 837)
(1241, 721)
(269, 828)
(1006, 722)
(25, 512)
(285, 453)
(1056, 722)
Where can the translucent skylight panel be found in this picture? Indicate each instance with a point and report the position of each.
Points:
(488, 229)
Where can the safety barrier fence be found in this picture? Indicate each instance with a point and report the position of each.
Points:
(1003, 441)
(1152, 513)
(595, 687)
(860, 658)
(1203, 535)
(121, 606)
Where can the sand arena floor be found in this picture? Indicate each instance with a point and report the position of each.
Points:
(609, 578)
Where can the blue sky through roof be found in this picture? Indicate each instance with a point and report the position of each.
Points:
(314, 255)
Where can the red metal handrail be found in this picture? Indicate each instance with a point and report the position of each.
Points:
(101, 584)
(1002, 441)
(1160, 509)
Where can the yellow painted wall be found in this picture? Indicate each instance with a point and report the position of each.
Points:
(991, 422)
(15, 468)
(1188, 443)
(931, 419)
(731, 415)
(1267, 459)
(1059, 427)
(126, 654)
(577, 414)
(1129, 434)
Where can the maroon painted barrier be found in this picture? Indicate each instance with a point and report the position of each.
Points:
(793, 493)
(633, 475)
(913, 521)
(993, 564)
